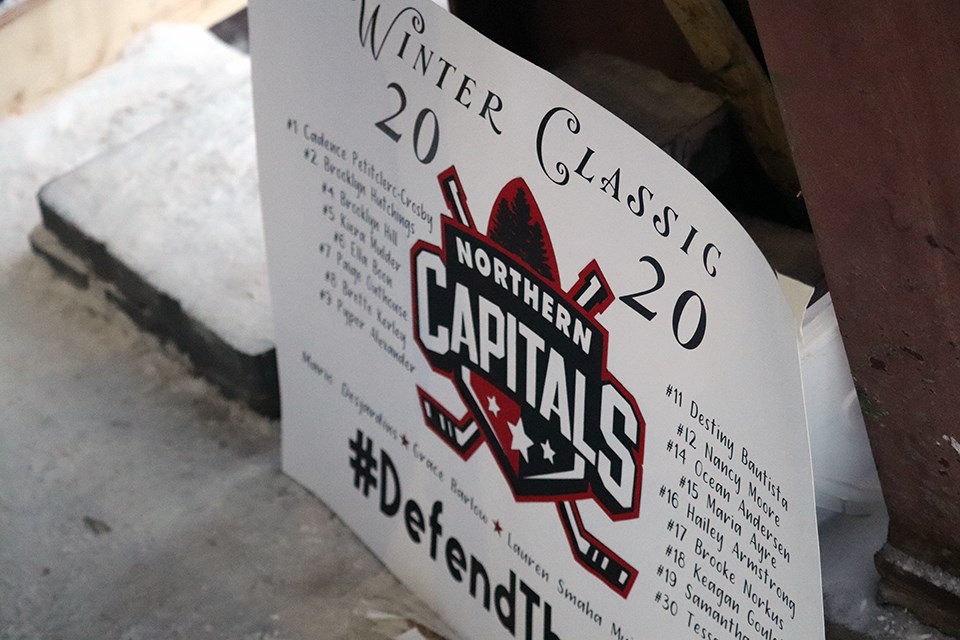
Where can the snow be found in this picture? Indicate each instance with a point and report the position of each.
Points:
(953, 442)
(162, 73)
(217, 245)
(189, 222)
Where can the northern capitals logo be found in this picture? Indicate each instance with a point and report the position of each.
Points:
(529, 362)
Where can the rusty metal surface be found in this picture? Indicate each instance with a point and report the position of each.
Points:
(870, 94)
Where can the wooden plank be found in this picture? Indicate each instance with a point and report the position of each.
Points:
(689, 123)
(47, 44)
(734, 73)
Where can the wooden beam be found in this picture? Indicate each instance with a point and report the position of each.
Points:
(734, 73)
(47, 44)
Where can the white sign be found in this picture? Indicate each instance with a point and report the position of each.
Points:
(531, 361)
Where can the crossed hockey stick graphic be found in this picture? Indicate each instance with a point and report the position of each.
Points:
(591, 294)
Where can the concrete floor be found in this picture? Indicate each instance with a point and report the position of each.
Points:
(136, 503)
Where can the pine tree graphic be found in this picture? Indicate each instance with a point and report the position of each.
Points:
(515, 228)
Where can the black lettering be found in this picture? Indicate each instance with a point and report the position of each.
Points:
(403, 45)
(388, 507)
(662, 225)
(423, 59)
(413, 519)
(435, 529)
(489, 108)
(478, 570)
(548, 633)
(686, 244)
(456, 559)
(711, 269)
(635, 203)
(506, 599)
(532, 600)
(443, 73)
(370, 33)
(465, 90)
(573, 125)
(612, 181)
(583, 164)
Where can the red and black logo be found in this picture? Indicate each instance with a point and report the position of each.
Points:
(529, 361)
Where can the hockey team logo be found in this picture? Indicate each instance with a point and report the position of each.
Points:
(529, 361)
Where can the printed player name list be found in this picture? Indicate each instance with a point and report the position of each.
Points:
(720, 570)
(370, 219)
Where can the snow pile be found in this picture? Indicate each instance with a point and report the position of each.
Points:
(179, 206)
(162, 73)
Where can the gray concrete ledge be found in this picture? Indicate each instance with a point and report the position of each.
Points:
(170, 223)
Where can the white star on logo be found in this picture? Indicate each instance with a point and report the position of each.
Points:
(519, 441)
(548, 452)
(492, 406)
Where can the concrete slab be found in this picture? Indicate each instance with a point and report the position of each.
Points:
(171, 222)
(163, 73)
